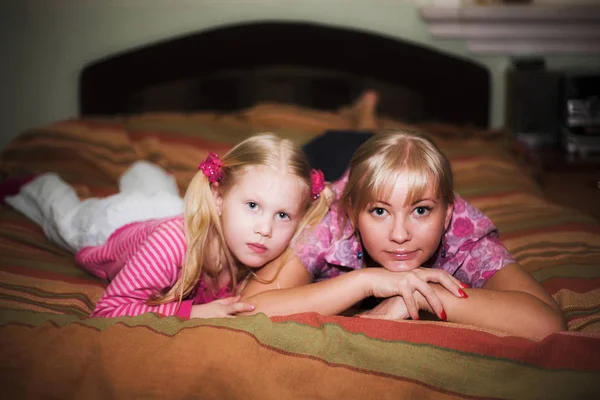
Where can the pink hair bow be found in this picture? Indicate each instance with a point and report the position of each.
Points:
(212, 168)
(318, 183)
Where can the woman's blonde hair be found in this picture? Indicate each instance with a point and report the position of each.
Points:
(203, 229)
(376, 164)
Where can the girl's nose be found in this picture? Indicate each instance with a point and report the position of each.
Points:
(263, 227)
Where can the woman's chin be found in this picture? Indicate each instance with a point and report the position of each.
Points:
(400, 266)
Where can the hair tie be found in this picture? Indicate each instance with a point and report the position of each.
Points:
(318, 183)
(212, 168)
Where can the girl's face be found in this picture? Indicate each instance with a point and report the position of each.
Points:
(260, 214)
(402, 237)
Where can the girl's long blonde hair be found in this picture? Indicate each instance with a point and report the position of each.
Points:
(203, 229)
(376, 164)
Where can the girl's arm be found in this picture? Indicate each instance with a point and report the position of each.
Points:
(222, 308)
(510, 301)
(293, 291)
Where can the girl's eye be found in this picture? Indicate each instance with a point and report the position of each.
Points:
(252, 205)
(378, 211)
(422, 210)
(283, 216)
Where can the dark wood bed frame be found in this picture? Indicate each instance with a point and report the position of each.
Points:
(448, 89)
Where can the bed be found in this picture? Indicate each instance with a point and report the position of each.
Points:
(171, 103)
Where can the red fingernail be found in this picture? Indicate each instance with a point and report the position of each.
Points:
(357, 316)
(462, 293)
(465, 285)
(416, 318)
(443, 316)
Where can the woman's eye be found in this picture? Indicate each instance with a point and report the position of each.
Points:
(252, 205)
(422, 210)
(283, 216)
(378, 211)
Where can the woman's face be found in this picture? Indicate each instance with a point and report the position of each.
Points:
(402, 237)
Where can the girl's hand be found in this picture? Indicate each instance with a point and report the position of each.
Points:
(222, 308)
(384, 283)
(393, 309)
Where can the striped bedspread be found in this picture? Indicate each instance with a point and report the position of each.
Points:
(49, 347)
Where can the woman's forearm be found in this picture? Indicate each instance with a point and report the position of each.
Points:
(328, 297)
(513, 312)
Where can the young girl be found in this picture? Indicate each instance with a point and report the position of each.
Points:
(397, 210)
(239, 213)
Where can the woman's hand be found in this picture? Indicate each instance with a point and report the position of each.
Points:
(384, 283)
(393, 309)
(222, 308)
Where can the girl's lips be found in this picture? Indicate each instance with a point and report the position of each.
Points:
(257, 248)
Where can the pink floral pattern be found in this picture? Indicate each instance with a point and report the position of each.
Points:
(463, 227)
(473, 251)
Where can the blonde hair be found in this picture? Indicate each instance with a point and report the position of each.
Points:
(203, 229)
(376, 164)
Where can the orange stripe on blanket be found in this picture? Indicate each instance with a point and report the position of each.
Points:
(587, 324)
(171, 137)
(578, 303)
(24, 301)
(570, 351)
(483, 199)
(51, 286)
(8, 304)
(91, 123)
(56, 295)
(579, 229)
(538, 260)
(17, 245)
(51, 276)
(575, 284)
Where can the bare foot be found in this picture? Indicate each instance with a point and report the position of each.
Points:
(362, 112)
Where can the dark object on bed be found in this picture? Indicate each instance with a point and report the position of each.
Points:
(332, 151)
(317, 66)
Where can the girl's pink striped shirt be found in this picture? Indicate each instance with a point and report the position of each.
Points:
(139, 260)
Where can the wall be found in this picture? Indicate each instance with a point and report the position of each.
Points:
(45, 43)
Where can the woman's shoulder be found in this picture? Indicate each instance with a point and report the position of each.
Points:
(468, 221)
(331, 242)
(472, 249)
(333, 227)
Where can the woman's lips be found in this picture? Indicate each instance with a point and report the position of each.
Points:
(257, 247)
(402, 255)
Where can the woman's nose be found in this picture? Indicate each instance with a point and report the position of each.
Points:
(400, 232)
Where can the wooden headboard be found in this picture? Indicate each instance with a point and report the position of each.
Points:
(318, 66)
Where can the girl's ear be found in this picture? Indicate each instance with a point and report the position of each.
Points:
(449, 212)
(216, 192)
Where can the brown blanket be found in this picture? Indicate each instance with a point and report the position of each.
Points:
(49, 347)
